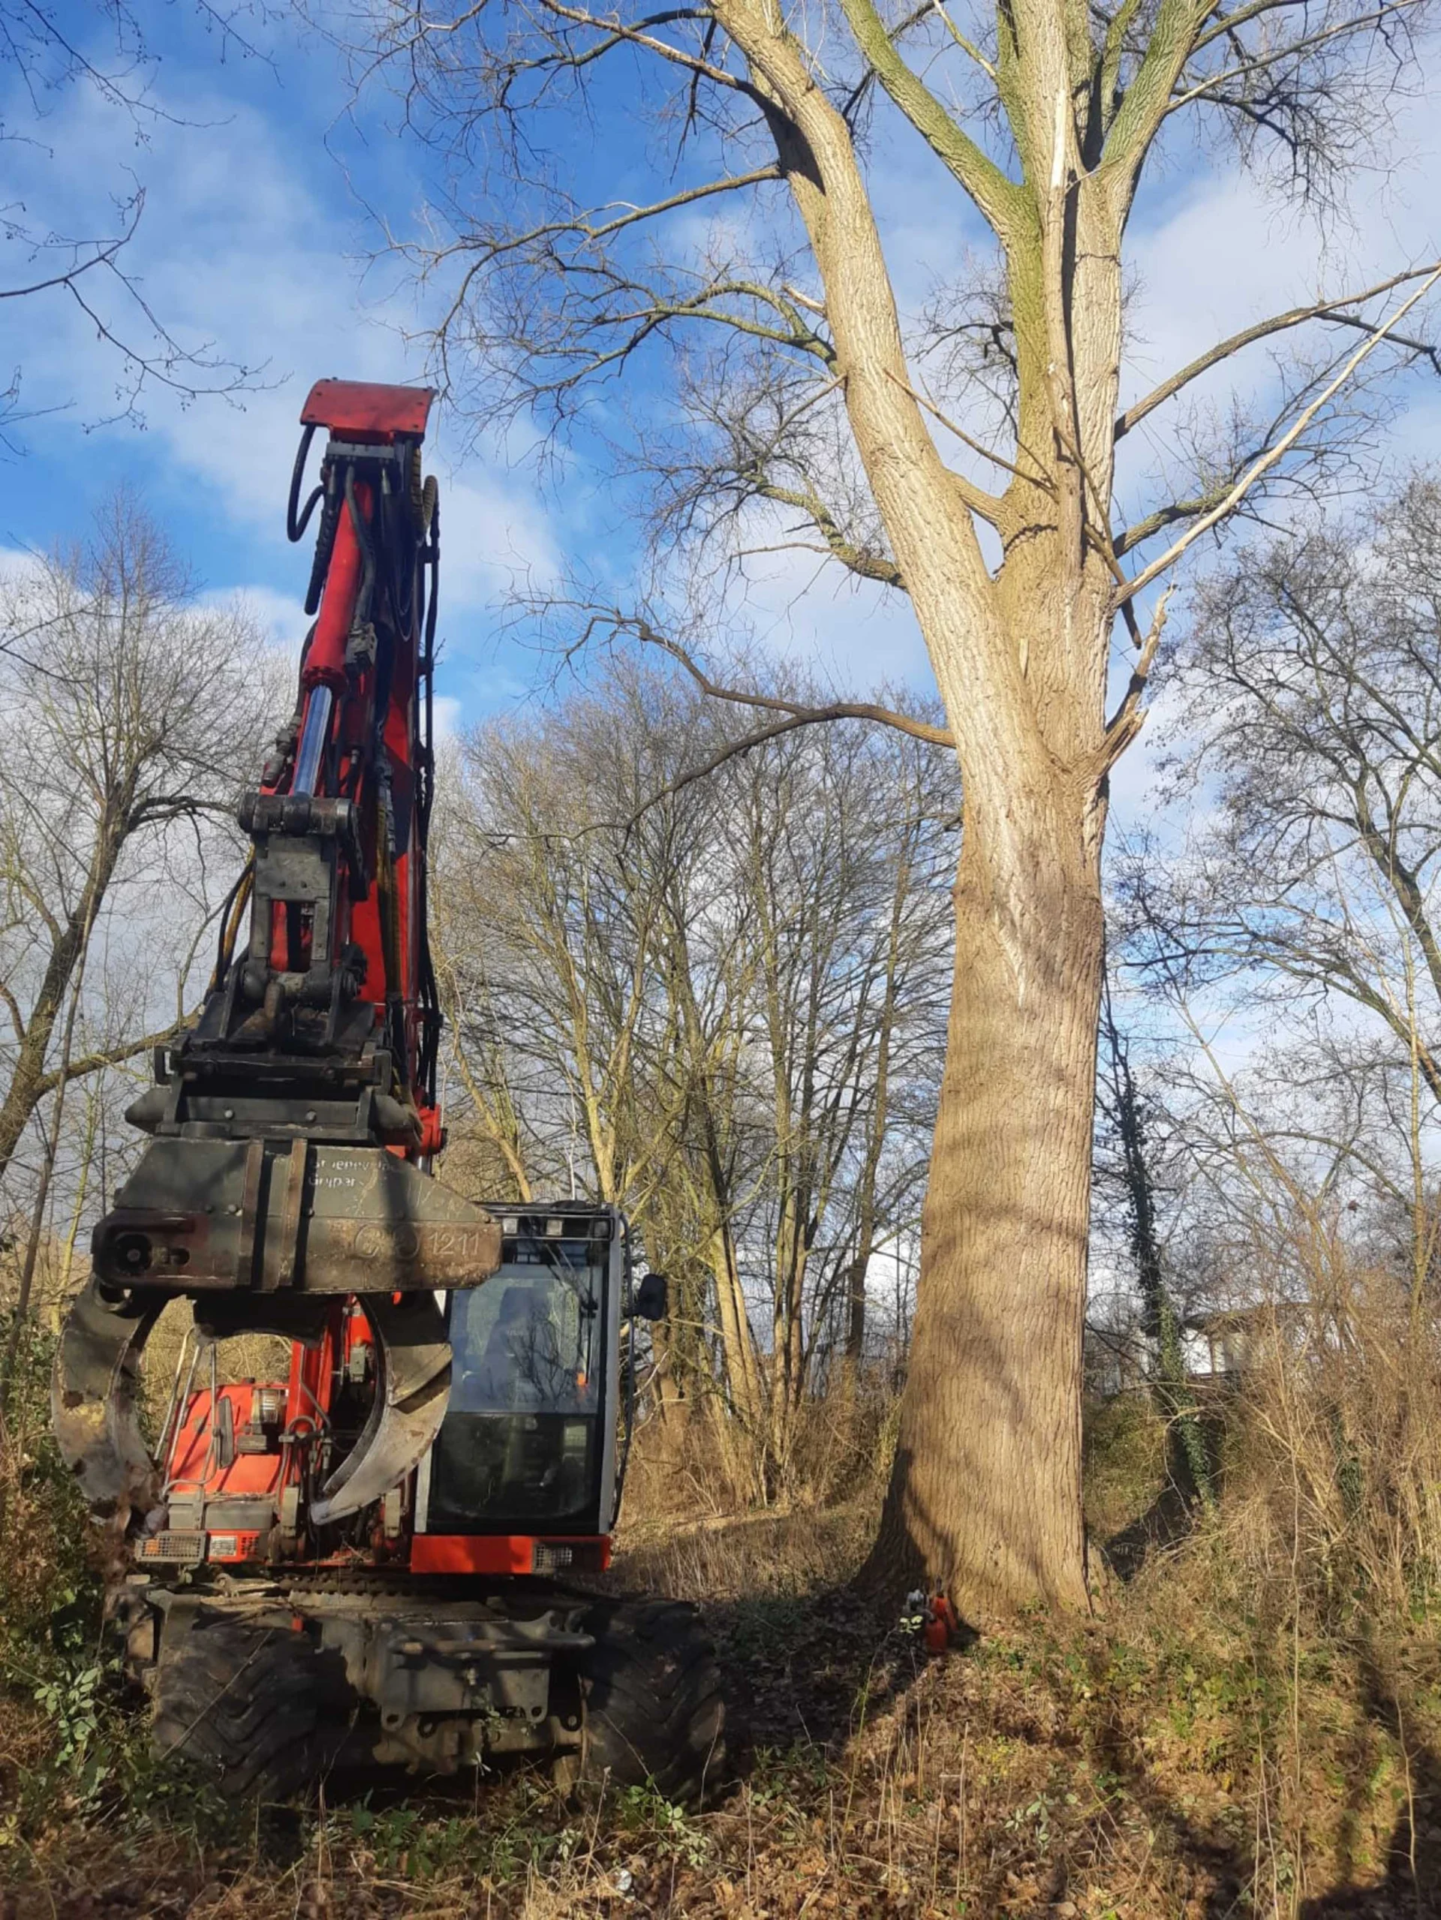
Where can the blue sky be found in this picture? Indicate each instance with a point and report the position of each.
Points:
(257, 221)
(253, 237)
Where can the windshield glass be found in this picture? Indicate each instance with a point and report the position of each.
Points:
(523, 1342)
(520, 1443)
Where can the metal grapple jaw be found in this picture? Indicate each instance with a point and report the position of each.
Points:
(93, 1403)
(263, 1235)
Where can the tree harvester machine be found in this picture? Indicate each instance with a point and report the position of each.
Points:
(374, 1561)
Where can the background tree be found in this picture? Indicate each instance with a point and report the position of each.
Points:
(721, 1010)
(1306, 700)
(797, 402)
(1130, 1168)
(133, 716)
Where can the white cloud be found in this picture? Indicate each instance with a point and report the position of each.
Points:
(448, 718)
(1224, 250)
(801, 608)
(493, 537)
(19, 566)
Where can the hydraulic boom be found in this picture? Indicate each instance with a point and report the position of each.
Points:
(293, 1125)
(366, 1562)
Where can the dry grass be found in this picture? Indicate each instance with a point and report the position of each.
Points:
(1251, 1727)
(746, 1556)
(1333, 1454)
(697, 1460)
(1128, 1768)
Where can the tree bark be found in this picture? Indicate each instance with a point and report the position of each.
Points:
(742, 1375)
(985, 1492)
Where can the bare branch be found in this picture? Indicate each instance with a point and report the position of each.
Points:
(587, 228)
(1263, 329)
(985, 504)
(102, 1057)
(732, 750)
(997, 197)
(1269, 458)
(1255, 62)
(1126, 722)
(866, 566)
(800, 712)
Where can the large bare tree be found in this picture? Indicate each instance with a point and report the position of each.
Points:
(692, 197)
(131, 717)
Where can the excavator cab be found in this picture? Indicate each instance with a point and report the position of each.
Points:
(536, 1356)
(371, 1562)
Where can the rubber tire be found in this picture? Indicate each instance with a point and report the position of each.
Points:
(253, 1708)
(654, 1713)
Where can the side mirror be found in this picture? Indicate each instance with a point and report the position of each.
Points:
(652, 1298)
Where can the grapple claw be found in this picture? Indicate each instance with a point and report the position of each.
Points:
(97, 1366)
(92, 1398)
(412, 1390)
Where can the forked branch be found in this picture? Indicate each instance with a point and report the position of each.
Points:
(1265, 461)
(1126, 722)
(997, 196)
(1262, 330)
(798, 713)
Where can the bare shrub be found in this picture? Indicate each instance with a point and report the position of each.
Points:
(1333, 1451)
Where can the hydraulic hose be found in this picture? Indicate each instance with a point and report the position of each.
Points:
(295, 524)
(230, 912)
(363, 540)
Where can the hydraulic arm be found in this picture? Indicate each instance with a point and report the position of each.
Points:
(292, 1126)
(365, 1556)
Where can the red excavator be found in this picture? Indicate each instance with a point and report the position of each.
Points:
(377, 1561)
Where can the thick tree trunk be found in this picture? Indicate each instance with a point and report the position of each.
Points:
(985, 1492)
